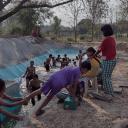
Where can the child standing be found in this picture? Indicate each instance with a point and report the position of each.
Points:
(33, 86)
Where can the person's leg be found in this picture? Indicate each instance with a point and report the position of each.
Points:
(108, 67)
(43, 104)
(33, 101)
(85, 79)
(39, 97)
(27, 83)
(94, 84)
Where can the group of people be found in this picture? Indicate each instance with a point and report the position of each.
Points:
(59, 62)
(70, 77)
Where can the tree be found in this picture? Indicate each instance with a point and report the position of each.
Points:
(75, 10)
(34, 16)
(56, 25)
(95, 10)
(11, 7)
(124, 9)
(84, 26)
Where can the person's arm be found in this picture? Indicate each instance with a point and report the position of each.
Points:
(26, 72)
(80, 61)
(72, 88)
(10, 115)
(12, 98)
(3, 103)
(33, 94)
(34, 70)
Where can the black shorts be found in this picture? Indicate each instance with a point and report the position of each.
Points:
(29, 77)
(47, 67)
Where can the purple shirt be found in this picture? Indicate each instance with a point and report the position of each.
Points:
(66, 76)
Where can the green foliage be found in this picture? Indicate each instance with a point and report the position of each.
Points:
(84, 26)
(82, 37)
(53, 38)
(28, 19)
(56, 25)
(70, 39)
(16, 30)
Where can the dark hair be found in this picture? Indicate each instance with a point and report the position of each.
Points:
(35, 76)
(50, 55)
(107, 30)
(91, 49)
(86, 65)
(32, 61)
(80, 51)
(65, 55)
(2, 85)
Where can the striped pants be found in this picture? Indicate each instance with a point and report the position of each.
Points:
(107, 69)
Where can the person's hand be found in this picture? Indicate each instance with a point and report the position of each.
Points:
(26, 100)
(19, 99)
(19, 118)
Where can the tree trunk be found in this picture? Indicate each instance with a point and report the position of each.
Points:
(75, 32)
(92, 31)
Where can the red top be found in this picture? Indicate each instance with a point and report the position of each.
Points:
(108, 48)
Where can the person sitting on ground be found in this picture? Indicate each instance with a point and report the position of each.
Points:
(34, 32)
(30, 71)
(95, 68)
(3, 103)
(33, 86)
(66, 78)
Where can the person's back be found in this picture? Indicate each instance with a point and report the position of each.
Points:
(95, 67)
(66, 76)
(35, 83)
(108, 48)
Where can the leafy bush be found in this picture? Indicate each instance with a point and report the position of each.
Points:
(70, 39)
(53, 38)
(16, 30)
(82, 37)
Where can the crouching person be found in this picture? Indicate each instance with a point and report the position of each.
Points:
(66, 78)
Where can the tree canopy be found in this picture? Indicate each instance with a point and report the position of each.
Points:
(11, 7)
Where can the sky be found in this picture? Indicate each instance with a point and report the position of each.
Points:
(66, 21)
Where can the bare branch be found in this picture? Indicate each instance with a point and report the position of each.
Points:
(14, 11)
(22, 5)
(34, 5)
